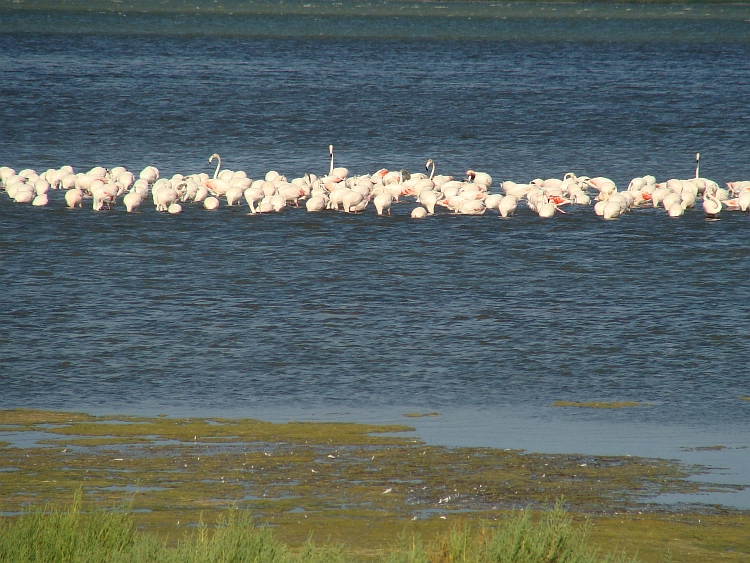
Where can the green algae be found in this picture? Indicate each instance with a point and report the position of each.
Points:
(347, 482)
(600, 404)
(420, 415)
(93, 442)
(27, 417)
(704, 448)
(744, 398)
(247, 430)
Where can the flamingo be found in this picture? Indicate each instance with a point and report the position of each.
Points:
(201, 193)
(211, 203)
(428, 198)
(234, 195)
(150, 174)
(336, 197)
(24, 194)
(472, 207)
(507, 206)
(132, 201)
(743, 200)
(737, 187)
(315, 203)
(676, 210)
(383, 202)
(351, 199)
(546, 210)
(41, 186)
(253, 196)
(216, 185)
(278, 202)
(6, 173)
(419, 213)
(481, 178)
(74, 198)
(40, 201)
(340, 173)
(711, 205)
(612, 209)
(697, 165)
(165, 197)
(292, 193)
(492, 201)
(670, 200)
(688, 199)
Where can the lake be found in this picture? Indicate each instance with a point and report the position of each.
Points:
(333, 316)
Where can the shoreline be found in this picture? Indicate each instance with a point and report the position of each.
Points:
(722, 453)
(334, 479)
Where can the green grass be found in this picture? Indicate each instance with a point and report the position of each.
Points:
(54, 534)
(516, 539)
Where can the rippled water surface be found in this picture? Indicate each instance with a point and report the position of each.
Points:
(301, 315)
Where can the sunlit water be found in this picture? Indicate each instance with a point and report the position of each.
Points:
(330, 316)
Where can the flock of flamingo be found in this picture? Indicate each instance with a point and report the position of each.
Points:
(339, 191)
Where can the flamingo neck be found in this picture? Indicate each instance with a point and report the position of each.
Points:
(697, 164)
(218, 166)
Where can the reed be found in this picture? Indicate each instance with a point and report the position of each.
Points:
(517, 539)
(55, 534)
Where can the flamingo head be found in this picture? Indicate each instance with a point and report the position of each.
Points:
(213, 156)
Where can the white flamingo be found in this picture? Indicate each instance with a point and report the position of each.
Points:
(253, 196)
(383, 202)
(676, 210)
(216, 185)
(507, 206)
(150, 174)
(211, 203)
(74, 198)
(316, 203)
(351, 200)
(340, 172)
(711, 205)
(132, 201)
(40, 201)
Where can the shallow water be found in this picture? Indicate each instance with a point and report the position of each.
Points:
(303, 316)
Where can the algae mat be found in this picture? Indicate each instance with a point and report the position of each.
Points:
(357, 484)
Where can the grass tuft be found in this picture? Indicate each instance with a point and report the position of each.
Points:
(517, 539)
(66, 535)
(72, 535)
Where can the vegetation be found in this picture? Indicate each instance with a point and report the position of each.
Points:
(54, 534)
(354, 484)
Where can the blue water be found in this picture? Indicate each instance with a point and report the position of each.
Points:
(296, 315)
